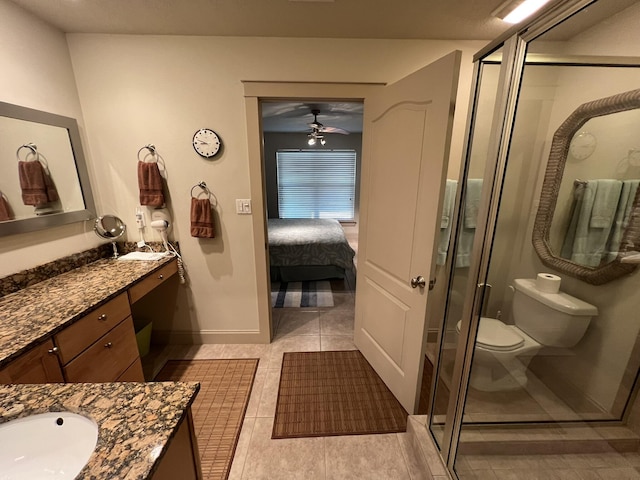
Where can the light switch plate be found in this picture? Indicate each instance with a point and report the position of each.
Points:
(243, 206)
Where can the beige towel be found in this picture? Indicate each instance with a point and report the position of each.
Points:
(150, 183)
(201, 218)
(5, 209)
(36, 184)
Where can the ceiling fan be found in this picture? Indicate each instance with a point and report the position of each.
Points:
(318, 129)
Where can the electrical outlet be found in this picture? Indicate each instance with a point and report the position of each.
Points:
(243, 206)
(140, 220)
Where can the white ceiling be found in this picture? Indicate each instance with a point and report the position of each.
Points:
(415, 19)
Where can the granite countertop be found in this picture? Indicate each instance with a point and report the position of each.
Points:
(136, 420)
(29, 316)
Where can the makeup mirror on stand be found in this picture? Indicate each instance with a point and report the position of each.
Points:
(111, 228)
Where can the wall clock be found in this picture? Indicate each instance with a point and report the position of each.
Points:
(206, 143)
(582, 145)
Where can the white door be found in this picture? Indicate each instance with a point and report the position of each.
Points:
(407, 131)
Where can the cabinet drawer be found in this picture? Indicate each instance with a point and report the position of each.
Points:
(132, 374)
(75, 338)
(37, 365)
(107, 358)
(140, 289)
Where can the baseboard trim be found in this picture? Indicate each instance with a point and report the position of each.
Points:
(187, 337)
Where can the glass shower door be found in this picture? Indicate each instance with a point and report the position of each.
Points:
(456, 243)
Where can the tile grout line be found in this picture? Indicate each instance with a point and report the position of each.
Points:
(404, 454)
(246, 456)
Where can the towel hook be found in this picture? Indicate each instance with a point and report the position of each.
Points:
(203, 186)
(152, 149)
(31, 146)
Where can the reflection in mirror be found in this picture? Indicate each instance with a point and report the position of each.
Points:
(44, 181)
(587, 224)
(111, 228)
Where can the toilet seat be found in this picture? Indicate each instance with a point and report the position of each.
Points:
(495, 335)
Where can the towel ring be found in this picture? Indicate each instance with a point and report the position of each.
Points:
(31, 146)
(212, 198)
(152, 149)
(203, 186)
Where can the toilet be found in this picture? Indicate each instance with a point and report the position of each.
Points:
(502, 352)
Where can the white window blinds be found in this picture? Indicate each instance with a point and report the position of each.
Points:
(316, 183)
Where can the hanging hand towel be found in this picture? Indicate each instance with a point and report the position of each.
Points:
(32, 183)
(5, 209)
(150, 184)
(605, 203)
(201, 218)
(52, 193)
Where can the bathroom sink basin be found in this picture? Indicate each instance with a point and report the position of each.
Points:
(54, 445)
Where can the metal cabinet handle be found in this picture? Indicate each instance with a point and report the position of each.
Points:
(102, 317)
(54, 351)
(160, 276)
(418, 281)
(108, 345)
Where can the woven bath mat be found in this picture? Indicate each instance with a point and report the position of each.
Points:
(218, 410)
(334, 393)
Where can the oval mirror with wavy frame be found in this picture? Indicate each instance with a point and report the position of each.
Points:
(610, 266)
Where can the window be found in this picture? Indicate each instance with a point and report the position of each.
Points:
(316, 184)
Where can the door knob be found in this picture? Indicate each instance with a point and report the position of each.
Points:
(418, 281)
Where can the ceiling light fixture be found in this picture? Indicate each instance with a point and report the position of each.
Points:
(515, 11)
(314, 137)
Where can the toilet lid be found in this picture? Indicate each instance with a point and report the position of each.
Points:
(495, 335)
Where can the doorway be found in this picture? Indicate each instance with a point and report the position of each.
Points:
(311, 161)
(256, 93)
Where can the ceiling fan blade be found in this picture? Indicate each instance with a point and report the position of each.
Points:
(334, 130)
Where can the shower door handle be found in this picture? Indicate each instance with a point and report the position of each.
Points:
(418, 281)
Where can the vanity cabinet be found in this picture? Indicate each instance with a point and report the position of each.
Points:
(106, 359)
(100, 346)
(77, 337)
(140, 289)
(38, 365)
(181, 459)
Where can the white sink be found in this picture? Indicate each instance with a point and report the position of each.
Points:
(54, 445)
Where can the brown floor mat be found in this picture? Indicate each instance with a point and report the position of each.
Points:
(219, 408)
(334, 393)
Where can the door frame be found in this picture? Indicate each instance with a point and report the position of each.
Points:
(254, 93)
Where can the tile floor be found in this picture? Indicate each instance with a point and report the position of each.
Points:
(384, 457)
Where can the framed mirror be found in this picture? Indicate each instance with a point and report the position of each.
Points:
(44, 181)
(586, 225)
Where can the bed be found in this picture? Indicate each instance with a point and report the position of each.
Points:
(303, 249)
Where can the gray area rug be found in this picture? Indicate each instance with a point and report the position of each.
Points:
(301, 294)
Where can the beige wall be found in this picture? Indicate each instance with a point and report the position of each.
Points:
(37, 73)
(147, 89)
(135, 90)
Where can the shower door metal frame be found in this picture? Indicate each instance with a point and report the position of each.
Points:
(514, 43)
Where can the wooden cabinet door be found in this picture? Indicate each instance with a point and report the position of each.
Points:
(107, 358)
(140, 289)
(38, 365)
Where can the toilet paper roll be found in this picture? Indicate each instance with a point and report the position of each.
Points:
(548, 283)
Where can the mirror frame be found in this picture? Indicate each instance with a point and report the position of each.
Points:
(24, 225)
(551, 186)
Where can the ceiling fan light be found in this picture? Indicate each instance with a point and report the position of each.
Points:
(323, 141)
(311, 141)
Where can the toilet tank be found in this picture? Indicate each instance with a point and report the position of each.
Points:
(552, 319)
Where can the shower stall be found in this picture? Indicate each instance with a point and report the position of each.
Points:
(548, 184)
